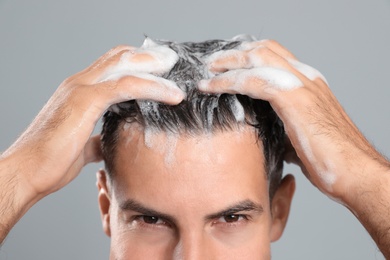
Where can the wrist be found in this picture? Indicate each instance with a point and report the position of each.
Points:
(14, 199)
(370, 181)
(15, 185)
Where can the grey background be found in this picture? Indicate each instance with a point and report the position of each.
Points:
(43, 41)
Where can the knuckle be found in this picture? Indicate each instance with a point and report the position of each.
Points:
(107, 89)
(99, 94)
(115, 57)
(262, 52)
(80, 91)
(75, 79)
(128, 81)
(237, 56)
(271, 42)
(68, 81)
(121, 47)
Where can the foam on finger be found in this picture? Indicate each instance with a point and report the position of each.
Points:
(308, 71)
(230, 59)
(241, 81)
(150, 58)
(152, 88)
(276, 78)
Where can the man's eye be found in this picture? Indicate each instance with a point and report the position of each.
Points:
(152, 220)
(232, 218)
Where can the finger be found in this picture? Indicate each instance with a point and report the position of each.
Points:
(306, 70)
(272, 45)
(101, 180)
(222, 61)
(114, 51)
(261, 57)
(104, 58)
(92, 150)
(241, 59)
(261, 53)
(139, 86)
(244, 59)
(278, 48)
(156, 60)
(245, 56)
(290, 155)
(258, 83)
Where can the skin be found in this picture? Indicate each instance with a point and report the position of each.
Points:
(323, 139)
(214, 206)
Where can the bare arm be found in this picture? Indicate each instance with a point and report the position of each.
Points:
(369, 201)
(329, 148)
(55, 147)
(8, 212)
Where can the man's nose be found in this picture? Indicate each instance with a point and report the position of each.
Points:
(194, 246)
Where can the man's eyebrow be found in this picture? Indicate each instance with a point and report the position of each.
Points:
(245, 205)
(133, 205)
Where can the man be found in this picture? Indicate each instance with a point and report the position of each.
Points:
(199, 180)
(331, 151)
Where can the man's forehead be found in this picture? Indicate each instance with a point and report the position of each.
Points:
(142, 145)
(133, 133)
(154, 164)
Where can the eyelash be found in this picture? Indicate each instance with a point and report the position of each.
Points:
(140, 219)
(242, 218)
(220, 221)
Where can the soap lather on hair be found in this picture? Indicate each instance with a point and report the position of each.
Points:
(188, 70)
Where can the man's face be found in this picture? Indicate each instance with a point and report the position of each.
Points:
(180, 197)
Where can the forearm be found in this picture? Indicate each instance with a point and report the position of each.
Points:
(369, 201)
(15, 198)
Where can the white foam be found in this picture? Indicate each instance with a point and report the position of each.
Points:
(161, 142)
(237, 109)
(244, 38)
(237, 58)
(234, 54)
(148, 135)
(149, 43)
(127, 126)
(254, 59)
(210, 112)
(273, 77)
(167, 86)
(170, 149)
(327, 178)
(161, 81)
(278, 78)
(310, 72)
(162, 60)
(131, 130)
(323, 169)
(114, 108)
(246, 46)
(156, 111)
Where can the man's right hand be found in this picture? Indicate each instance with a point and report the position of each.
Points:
(55, 147)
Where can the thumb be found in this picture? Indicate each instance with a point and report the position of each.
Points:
(92, 150)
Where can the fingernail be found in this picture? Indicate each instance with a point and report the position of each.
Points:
(210, 62)
(203, 85)
(175, 88)
(180, 96)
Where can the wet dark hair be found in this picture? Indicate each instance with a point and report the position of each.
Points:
(199, 112)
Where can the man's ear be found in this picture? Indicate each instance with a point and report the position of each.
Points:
(104, 200)
(280, 207)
